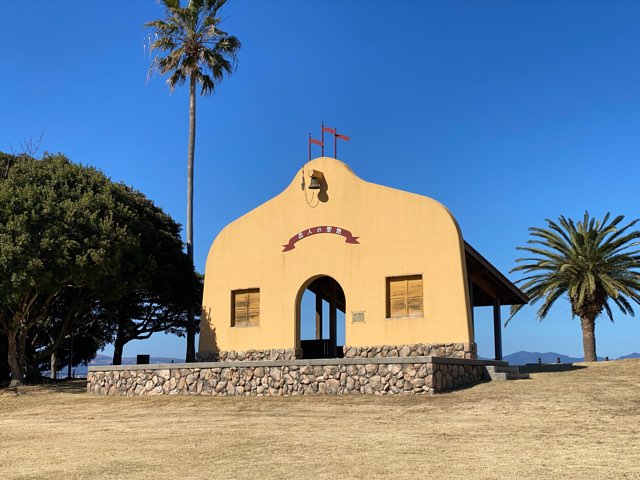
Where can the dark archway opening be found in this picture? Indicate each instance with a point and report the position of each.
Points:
(322, 319)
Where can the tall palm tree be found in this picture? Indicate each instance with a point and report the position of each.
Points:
(592, 261)
(193, 48)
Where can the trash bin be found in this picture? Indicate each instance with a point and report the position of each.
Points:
(143, 359)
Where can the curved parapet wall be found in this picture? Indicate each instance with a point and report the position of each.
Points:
(359, 234)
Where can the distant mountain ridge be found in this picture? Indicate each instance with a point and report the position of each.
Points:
(631, 355)
(524, 357)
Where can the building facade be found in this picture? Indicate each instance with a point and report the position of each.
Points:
(339, 287)
(393, 265)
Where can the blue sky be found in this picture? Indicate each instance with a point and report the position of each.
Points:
(508, 112)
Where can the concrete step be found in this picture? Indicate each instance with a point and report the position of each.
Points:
(506, 369)
(497, 376)
(501, 373)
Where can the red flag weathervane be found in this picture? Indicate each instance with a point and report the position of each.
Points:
(313, 141)
(336, 136)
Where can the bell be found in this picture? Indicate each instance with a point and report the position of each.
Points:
(314, 184)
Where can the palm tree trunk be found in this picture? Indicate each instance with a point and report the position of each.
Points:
(191, 328)
(589, 338)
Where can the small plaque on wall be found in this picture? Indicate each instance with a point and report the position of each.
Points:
(357, 317)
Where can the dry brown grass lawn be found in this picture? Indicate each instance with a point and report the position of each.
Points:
(580, 424)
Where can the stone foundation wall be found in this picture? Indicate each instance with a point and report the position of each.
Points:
(447, 376)
(385, 376)
(249, 355)
(443, 350)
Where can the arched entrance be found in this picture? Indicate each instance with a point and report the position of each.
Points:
(321, 307)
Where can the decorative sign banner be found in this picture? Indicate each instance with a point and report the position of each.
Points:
(349, 238)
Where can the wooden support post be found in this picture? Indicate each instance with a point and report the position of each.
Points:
(318, 316)
(473, 316)
(333, 319)
(497, 328)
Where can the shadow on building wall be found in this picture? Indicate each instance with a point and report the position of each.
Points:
(205, 319)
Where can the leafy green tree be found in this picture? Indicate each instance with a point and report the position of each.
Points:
(592, 262)
(83, 340)
(72, 242)
(71, 314)
(157, 280)
(165, 284)
(57, 237)
(194, 48)
(146, 311)
(4, 366)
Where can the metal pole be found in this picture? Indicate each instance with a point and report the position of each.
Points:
(322, 138)
(70, 355)
(309, 142)
(335, 144)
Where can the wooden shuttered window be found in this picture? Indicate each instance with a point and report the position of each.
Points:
(245, 306)
(404, 296)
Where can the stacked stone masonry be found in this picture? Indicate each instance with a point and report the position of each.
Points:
(407, 376)
(444, 350)
(249, 355)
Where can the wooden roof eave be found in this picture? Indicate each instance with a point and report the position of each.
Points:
(482, 272)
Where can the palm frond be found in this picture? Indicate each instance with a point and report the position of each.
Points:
(590, 261)
(191, 44)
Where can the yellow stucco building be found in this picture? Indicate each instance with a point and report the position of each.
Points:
(394, 262)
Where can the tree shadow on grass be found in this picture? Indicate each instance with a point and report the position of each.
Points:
(74, 386)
